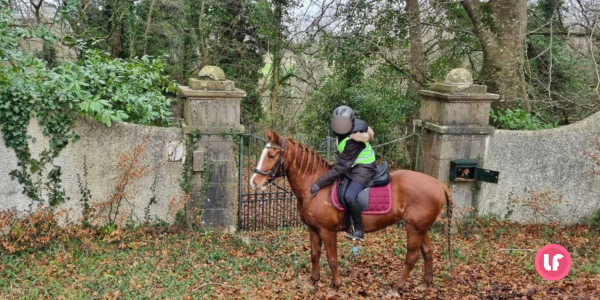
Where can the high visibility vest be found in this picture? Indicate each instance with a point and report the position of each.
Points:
(366, 156)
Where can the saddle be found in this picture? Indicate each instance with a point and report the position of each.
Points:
(374, 199)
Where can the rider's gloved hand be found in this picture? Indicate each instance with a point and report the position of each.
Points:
(314, 188)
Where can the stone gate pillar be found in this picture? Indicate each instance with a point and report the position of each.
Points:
(455, 120)
(211, 105)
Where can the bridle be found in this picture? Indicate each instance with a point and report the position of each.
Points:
(281, 166)
(280, 163)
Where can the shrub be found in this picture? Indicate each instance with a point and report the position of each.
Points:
(519, 119)
(96, 86)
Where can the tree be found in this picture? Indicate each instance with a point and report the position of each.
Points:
(500, 26)
(148, 26)
(277, 57)
(418, 67)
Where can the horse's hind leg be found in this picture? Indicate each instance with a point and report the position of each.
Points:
(315, 255)
(427, 252)
(415, 240)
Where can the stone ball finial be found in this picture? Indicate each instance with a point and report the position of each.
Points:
(459, 76)
(212, 72)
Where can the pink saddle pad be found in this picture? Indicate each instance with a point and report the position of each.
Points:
(380, 200)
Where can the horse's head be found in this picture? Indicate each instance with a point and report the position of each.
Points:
(270, 165)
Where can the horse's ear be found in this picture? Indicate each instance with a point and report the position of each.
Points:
(276, 138)
(269, 134)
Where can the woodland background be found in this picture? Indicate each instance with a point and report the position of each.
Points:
(119, 60)
(299, 59)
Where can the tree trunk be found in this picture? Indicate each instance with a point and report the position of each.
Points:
(116, 41)
(148, 25)
(203, 50)
(418, 70)
(502, 40)
(118, 10)
(417, 56)
(276, 62)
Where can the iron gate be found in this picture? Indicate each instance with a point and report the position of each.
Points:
(275, 208)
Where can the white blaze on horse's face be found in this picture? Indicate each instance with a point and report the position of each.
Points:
(259, 167)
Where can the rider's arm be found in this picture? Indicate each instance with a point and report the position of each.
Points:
(343, 163)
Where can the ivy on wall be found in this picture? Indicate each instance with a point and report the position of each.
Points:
(187, 174)
(104, 89)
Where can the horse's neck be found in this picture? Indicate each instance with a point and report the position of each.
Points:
(303, 168)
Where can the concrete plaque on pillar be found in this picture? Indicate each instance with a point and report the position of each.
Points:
(199, 160)
(211, 105)
(455, 117)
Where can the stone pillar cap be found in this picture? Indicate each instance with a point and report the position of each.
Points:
(459, 76)
(212, 72)
(459, 81)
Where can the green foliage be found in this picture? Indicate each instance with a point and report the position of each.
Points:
(106, 90)
(117, 90)
(222, 34)
(191, 145)
(455, 48)
(86, 196)
(56, 193)
(374, 97)
(518, 119)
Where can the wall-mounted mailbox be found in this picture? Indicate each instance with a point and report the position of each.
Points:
(467, 170)
(463, 170)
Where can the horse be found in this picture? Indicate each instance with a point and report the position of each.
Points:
(418, 199)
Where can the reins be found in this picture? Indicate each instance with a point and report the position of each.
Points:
(280, 165)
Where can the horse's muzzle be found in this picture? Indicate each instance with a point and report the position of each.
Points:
(253, 185)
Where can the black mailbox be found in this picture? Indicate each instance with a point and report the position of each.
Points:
(463, 170)
(467, 170)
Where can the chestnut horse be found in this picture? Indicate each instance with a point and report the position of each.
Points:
(417, 199)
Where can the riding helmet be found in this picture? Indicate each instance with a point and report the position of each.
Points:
(342, 120)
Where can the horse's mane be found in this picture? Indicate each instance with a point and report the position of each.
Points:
(304, 157)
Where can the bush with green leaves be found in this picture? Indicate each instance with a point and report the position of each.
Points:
(519, 119)
(96, 86)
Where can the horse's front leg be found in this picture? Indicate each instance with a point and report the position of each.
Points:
(330, 241)
(315, 255)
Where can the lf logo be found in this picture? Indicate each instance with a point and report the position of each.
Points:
(553, 262)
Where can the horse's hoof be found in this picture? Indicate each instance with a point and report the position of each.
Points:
(332, 294)
(424, 287)
(392, 294)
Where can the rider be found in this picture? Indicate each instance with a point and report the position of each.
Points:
(356, 160)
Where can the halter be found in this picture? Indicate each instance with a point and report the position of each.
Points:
(280, 165)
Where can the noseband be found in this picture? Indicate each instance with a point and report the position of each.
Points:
(280, 164)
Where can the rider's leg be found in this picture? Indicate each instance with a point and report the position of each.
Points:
(354, 210)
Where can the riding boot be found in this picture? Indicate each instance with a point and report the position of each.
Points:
(357, 233)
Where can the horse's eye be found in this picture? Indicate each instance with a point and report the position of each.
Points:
(271, 156)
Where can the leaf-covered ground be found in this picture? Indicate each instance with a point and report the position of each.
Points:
(173, 264)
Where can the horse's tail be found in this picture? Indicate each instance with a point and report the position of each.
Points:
(449, 212)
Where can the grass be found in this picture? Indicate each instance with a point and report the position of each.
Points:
(168, 263)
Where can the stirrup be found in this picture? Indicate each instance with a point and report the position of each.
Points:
(351, 236)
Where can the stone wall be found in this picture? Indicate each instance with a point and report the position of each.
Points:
(541, 161)
(97, 150)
